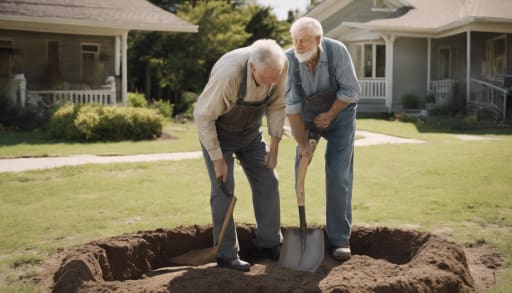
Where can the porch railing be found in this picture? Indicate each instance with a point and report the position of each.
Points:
(77, 96)
(373, 88)
(489, 96)
(443, 90)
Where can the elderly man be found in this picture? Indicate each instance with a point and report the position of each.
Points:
(321, 96)
(244, 85)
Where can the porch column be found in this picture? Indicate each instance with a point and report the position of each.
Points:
(117, 56)
(390, 43)
(124, 71)
(429, 63)
(468, 67)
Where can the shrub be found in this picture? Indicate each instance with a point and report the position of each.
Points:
(410, 101)
(163, 107)
(185, 103)
(94, 122)
(61, 123)
(430, 98)
(137, 100)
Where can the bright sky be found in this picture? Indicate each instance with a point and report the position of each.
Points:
(281, 7)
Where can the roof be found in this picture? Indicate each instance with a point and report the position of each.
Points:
(437, 15)
(114, 14)
(423, 16)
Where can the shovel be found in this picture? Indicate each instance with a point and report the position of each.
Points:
(198, 257)
(303, 249)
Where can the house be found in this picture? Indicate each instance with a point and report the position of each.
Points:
(74, 50)
(459, 51)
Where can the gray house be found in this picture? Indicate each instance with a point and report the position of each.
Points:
(454, 50)
(74, 50)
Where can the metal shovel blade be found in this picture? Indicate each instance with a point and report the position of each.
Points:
(296, 257)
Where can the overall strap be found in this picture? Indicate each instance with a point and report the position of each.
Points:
(242, 90)
(331, 67)
(328, 43)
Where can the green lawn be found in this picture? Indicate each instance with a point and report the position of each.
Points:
(459, 189)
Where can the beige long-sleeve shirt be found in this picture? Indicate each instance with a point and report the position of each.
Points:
(221, 93)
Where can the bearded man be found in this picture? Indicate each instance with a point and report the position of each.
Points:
(321, 100)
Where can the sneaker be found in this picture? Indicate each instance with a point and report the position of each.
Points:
(235, 264)
(341, 253)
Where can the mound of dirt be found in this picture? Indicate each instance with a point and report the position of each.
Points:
(384, 260)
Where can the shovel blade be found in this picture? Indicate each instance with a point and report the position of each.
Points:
(302, 256)
(195, 257)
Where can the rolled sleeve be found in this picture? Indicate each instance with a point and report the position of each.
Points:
(349, 88)
(276, 108)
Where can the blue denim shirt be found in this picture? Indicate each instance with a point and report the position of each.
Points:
(348, 85)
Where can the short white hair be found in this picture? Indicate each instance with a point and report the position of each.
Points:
(310, 24)
(266, 53)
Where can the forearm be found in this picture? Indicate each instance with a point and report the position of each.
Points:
(337, 107)
(298, 128)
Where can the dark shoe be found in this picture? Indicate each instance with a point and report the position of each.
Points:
(272, 253)
(341, 253)
(235, 264)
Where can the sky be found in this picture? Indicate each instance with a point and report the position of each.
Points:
(281, 7)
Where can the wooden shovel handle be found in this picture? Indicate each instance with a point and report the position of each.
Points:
(229, 214)
(301, 175)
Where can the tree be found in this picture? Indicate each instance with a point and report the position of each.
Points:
(165, 65)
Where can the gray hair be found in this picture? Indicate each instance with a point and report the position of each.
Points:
(312, 25)
(266, 53)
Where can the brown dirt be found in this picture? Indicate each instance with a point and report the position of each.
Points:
(384, 260)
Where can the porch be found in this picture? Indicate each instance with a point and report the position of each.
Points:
(483, 95)
(105, 94)
(373, 96)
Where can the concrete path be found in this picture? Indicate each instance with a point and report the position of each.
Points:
(24, 164)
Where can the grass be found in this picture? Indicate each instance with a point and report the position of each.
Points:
(36, 144)
(459, 189)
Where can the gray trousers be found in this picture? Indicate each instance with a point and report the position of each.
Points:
(265, 194)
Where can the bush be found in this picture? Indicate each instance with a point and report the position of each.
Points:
(410, 101)
(94, 122)
(430, 98)
(137, 100)
(163, 107)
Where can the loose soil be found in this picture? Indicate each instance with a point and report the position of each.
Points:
(384, 260)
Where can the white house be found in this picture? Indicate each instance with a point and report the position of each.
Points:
(75, 50)
(460, 51)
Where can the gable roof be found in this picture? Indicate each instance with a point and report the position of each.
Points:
(424, 17)
(111, 14)
(437, 15)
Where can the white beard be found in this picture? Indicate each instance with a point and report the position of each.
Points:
(306, 56)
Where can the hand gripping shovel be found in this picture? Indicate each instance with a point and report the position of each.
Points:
(303, 249)
(198, 257)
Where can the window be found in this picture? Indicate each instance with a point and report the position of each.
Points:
(444, 63)
(90, 57)
(369, 60)
(53, 57)
(6, 58)
(496, 58)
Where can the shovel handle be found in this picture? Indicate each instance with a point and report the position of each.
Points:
(301, 175)
(227, 217)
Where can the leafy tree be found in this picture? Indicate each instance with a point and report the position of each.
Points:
(265, 25)
(165, 65)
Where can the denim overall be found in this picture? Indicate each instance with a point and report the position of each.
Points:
(239, 135)
(339, 152)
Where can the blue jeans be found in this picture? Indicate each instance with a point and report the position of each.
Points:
(339, 166)
(265, 194)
